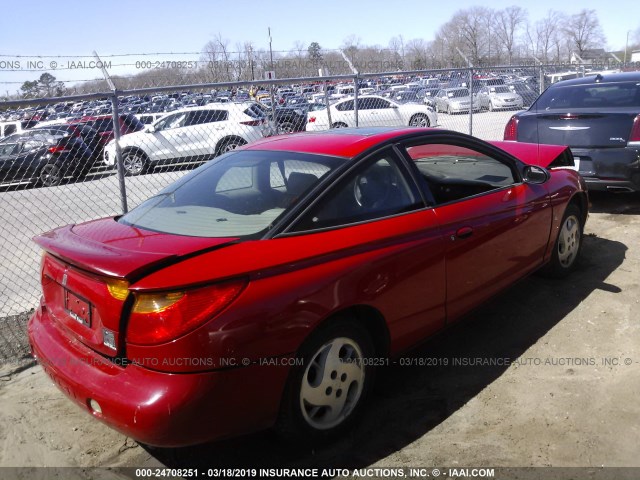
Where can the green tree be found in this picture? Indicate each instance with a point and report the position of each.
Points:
(45, 86)
(30, 89)
(315, 54)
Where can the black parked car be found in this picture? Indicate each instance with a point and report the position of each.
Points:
(528, 93)
(598, 116)
(45, 156)
(287, 119)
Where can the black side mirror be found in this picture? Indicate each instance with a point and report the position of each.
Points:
(535, 174)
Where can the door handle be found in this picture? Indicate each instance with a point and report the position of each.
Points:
(464, 232)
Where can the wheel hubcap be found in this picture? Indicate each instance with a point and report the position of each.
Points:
(420, 122)
(332, 383)
(230, 146)
(49, 175)
(133, 164)
(569, 241)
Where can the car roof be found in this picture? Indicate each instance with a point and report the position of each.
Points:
(343, 142)
(601, 78)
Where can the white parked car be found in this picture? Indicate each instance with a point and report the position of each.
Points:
(498, 97)
(9, 128)
(190, 135)
(373, 111)
(454, 100)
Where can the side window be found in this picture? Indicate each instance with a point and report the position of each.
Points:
(378, 189)
(171, 121)
(9, 129)
(200, 117)
(453, 172)
(366, 103)
(381, 103)
(348, 105)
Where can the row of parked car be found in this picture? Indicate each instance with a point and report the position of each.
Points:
(48, 152)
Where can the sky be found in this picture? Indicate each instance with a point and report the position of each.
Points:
(73, 29)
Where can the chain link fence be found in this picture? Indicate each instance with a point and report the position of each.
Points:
(76, 158)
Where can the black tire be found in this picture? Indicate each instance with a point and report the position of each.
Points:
(566, 251)
(229, 144)
(339, 125)
(50, 175)
(81, 172)
(286, 127)
(419, 120)
(344, 346)
(134, 163)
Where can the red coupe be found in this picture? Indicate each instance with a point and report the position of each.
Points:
(263, 288)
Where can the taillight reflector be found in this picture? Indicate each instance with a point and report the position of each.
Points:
(635, 130)
(159, 317)
(253, 123)
(511, 129)
(57, 149)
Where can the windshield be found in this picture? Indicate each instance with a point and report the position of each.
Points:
(242, 194)
(461, 93)
(599, 95)
(503, 89)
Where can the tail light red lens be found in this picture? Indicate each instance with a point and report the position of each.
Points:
(635, 130)
(511, 129)
(58, 149)
(311, 120)
(160, 317)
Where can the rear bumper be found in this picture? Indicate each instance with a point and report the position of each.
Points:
(609, 169)
(154, 407)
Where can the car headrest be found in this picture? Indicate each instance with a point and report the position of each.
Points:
(299, 182)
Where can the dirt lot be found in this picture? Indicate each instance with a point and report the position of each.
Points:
(564, 393)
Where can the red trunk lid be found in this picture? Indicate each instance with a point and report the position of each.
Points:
(84, 259)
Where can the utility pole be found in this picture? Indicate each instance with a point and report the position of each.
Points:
(626, 46)
(273, 87)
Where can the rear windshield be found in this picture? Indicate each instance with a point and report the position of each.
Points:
(241, 194)
(599, 95)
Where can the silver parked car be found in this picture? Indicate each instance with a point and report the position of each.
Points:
(498, 97)
(454, 100)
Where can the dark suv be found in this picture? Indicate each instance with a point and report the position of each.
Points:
(103, 124)
(598, 116)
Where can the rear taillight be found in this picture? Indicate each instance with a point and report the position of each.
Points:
(252, 123)
(58, 149)
(160, 317)
(635, 130)
(511, 129)
(311, 119)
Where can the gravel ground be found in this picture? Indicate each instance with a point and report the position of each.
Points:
(563, 394)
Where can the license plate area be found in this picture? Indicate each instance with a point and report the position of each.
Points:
(77, 307)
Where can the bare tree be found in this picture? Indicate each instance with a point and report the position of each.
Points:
(417, 49)
(396, 50)
(546, 34)
(583, 31)
(469, 26)
(507, 24)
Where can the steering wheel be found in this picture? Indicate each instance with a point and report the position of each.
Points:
(371, 189)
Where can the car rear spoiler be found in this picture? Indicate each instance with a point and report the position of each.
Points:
(547, 156)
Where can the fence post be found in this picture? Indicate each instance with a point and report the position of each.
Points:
(470, 99)
(116, 139)
(541, 87)
(326, 102)
(355, 98)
